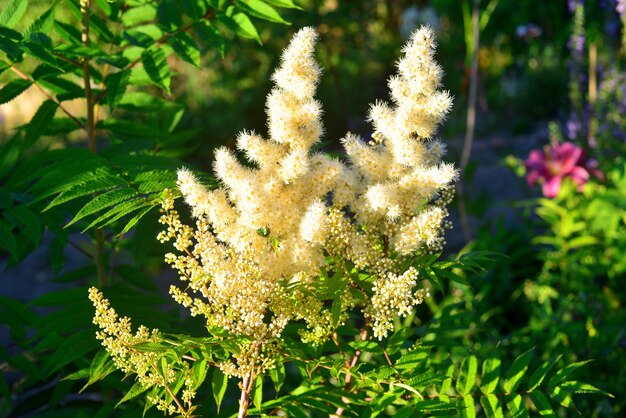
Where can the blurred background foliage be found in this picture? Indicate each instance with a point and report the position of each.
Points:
(558, 287)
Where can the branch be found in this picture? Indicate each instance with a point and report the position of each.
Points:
(45, 93)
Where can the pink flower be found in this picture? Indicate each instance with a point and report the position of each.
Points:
(556, 162)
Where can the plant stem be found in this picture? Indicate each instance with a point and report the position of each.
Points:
(350, 364)
(246, 388)
(85, 6)
(45, 93)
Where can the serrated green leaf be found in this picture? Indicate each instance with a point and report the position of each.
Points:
(515, 405)
(491, 406)
(195, 9)
(580, 387)
(39, 52)
(210, 36)
(219, 383)
(139, 14)
(257, 392)
(186, 48)
(72, 348)
(38, 124)
(562, 374)
(490, 373)
(424, 379)
(68, 32)
(9, 45)
(65, 89)
(136, 218)
(168, 14)
(241, 25)
(562, 397)
(136, 390)
(467, 375)
(287, 4)
(198, 372)
(29, 221)
(43, 24)
(79, 375)
(466, 407)
(540, 373)
(258, 8)
(517, 371)
(13, 12)
(116, 213)
(155, 65)
(93, 184)
(542, 405)
(116, 84)
(277, 374)
(105, 6)
(101, 366)
(18, 311)
(13, 89)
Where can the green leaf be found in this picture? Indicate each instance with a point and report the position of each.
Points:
(542, 405)
(515, 405)
(491, 406)
(466, 407)
(38, 51)
(72, 348)
(136, 218)
(195, 9)
(116, 84)
(43, 23)
(7, 240)
(241, 25)
(186, 48)
(101, 366)
(540, 373)
(136, 390)
(139, 14)
(10, 44)
(210, 36)
(580, 387)
(30, 222)
(257, 392)
(562, 397)
(467, 375)
(155, 65)
(13, 12)
(562, 374)
(287, 4)
(517, 371)
(116, 213)
(277, 374)
(93, 184)
(262, 10)
(198, 373)
(490, 373)
(168, 14)
(13, 89)
(40, 122)
(219, 384)
(68, 32)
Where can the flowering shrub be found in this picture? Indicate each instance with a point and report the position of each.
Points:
(556, 162)
(266, 241)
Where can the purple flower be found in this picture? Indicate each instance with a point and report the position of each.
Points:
(557, 162)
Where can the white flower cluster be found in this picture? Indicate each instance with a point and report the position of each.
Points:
(263, 236)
